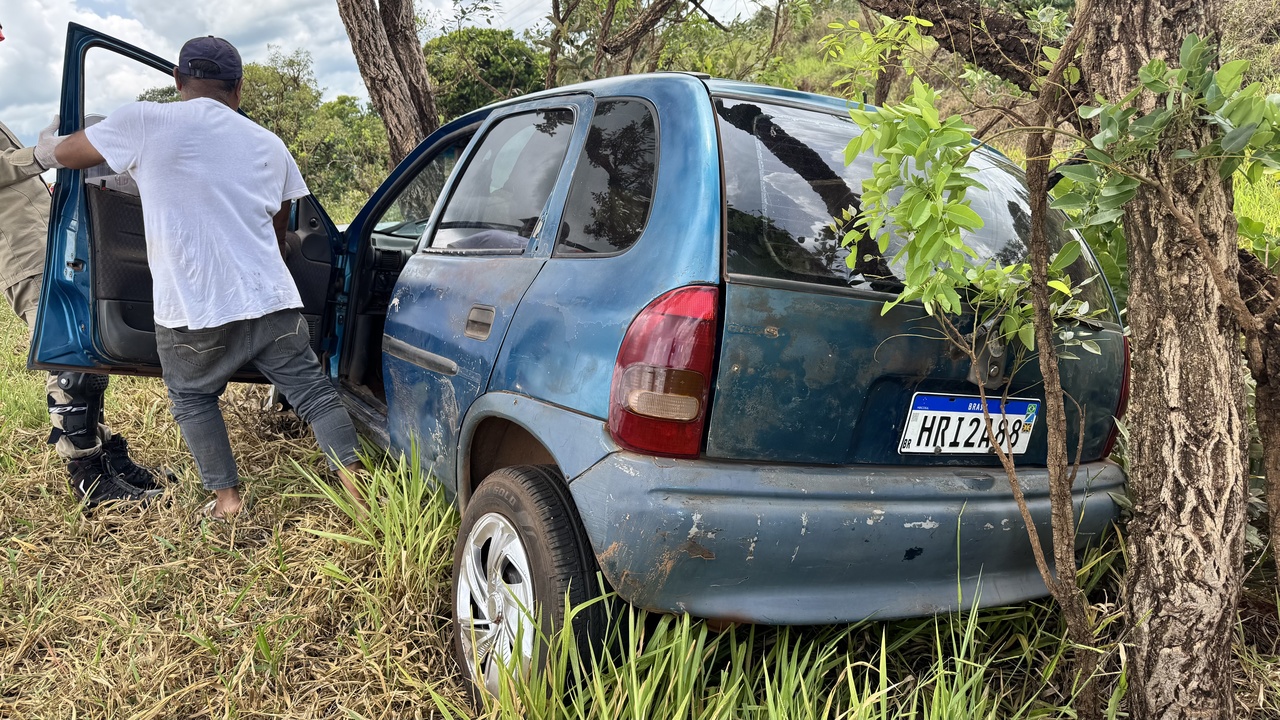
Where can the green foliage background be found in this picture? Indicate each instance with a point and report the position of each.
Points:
(473, 66)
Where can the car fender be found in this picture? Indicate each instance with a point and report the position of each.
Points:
(575, 441)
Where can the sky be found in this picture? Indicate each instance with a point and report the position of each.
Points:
(35, 38)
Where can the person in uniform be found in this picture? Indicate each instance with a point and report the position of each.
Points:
(97, 459)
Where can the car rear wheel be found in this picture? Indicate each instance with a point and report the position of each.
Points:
(520, 548)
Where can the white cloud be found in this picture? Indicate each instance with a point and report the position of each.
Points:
(36, 30)
(31, 56)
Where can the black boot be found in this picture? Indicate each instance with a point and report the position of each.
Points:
(141, 476)
(93, 483)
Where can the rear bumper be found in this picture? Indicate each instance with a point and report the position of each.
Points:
(806, 545)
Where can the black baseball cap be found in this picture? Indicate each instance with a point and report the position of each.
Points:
(214, 50)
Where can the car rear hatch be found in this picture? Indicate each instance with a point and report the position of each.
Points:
(810, 370)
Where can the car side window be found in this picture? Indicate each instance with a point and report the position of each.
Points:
(612, 191)
(405, 219)
(503, 190)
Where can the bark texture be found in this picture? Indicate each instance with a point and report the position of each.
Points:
(393, 68)
(1187, 453)
(999, 42)
(1260, 289)
(1062, 464)
(402, 33)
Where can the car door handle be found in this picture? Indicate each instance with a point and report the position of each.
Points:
(479, 322)
(398, 348)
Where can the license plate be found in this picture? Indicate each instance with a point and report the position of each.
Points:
(953, 425)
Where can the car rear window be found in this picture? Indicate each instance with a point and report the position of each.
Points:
(608, 205)
(786, 180)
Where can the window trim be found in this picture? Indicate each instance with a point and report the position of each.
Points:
(727, 275)
(573, 182)
(425, 243)
(406, 179)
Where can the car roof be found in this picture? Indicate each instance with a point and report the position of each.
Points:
(716, 86)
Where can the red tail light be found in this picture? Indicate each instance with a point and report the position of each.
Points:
(662, 378)
(1122, 405)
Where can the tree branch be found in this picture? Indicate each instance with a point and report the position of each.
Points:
(707, 14)
(1000, 43)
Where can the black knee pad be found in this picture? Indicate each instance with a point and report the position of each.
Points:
(77, 408)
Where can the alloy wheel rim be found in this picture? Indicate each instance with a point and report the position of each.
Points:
(494, 600)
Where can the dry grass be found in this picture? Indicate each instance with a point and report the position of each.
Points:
(153, 613)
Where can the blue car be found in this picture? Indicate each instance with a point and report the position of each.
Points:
(617, 321)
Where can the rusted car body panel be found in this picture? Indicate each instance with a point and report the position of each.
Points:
(787, 544)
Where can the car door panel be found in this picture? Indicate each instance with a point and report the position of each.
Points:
(429, 391)
(451, 307)
(96, 300)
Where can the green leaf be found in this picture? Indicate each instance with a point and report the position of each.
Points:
(1187, 53)
(1088, 111)
(1090, 346)
(1083, 173)
(1237, 139)
(1230, 75)
(964, 216)
(1070, 201)
(1027, 334)
(1152, 76)
(1183, 154)
(1105, 216)
(1249, 227)
(1051, 52)
(1254, 172)
(1065, 256)
(1151, 122)
(919, 212)
(1112, 201)
(1097, 156)
(1060, 286)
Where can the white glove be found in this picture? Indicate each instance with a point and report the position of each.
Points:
(47, 144)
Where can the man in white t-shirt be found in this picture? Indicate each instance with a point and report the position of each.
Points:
(216, 190)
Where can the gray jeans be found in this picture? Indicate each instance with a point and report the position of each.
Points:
(196, 365)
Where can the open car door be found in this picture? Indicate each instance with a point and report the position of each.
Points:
(96, 300)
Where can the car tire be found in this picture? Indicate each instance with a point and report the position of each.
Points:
(525, 514)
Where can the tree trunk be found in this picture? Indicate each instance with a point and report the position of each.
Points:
(606, 25)
(402, 33)
(1061, 462)
(639, 28)
(1260, 288)
(1187, 452)
(981, 34)
(559, 23)
(889, 71)
(389, 83)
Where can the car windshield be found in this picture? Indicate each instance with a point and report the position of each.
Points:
(786, 181)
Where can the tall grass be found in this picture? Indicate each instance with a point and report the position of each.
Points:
(306, 607)
(22, 403)
(662, 666)
(1259, 201)
(996, 663)
(409, 527)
